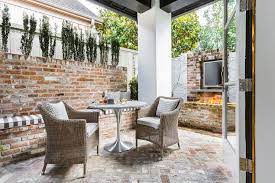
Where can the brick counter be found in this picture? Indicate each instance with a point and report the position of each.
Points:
(205, 116)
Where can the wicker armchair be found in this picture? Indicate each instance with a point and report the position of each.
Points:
(69, 140)
(163, 130)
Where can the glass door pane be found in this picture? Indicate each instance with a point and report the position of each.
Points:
(230, 7)
(231, 116)
(231, 79)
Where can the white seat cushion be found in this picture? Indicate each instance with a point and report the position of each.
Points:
(58, 110)
(153, 122)
(166, 105)
(91, 128)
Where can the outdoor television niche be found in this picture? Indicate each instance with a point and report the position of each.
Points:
(212, 74)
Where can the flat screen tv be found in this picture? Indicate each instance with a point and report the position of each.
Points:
(212, 74)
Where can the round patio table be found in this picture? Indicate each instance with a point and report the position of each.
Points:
(119, 145)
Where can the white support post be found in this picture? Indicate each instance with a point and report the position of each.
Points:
(154, 59)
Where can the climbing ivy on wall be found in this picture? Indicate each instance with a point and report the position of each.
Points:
(67, 37)
(44, 36)
(52, 42)
(91, 48)
(46, 39)
(115, 48)
(79, 44)
(29, 27)
(76, 45)
(81, 47)
(5, 27)
(104, 50)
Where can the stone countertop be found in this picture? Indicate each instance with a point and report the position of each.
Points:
(218, 90)
(208, 104)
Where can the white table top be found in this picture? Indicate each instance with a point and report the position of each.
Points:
(128, 104)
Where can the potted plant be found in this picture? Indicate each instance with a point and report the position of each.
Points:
(134, 88)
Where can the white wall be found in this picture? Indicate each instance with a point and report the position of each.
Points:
(179, 76)
(18, 8)
(265, 91)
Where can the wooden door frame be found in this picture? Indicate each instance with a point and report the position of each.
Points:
(250, 96)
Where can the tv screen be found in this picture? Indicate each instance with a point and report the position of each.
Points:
(212, 73)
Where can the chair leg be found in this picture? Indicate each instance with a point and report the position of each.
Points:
(136, 143)
(97, 149)
(84, 170)
(44, 168)
(179, 145)
(161, 153)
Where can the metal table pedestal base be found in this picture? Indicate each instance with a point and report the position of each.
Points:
(118, 146)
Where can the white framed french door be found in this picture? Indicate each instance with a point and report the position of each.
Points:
(239, 143)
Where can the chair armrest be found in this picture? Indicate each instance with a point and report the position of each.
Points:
(90, 117)
(66, 134)
(169, 119)
(145, 112)
(169, 127)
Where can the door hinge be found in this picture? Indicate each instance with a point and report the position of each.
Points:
(245, 5)
(245, 85)
(246, 165)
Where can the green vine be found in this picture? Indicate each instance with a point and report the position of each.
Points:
(29, 26)
(46, 39)
(76, 45)
(44, 36)
(5, 28)
(104, 49)
(91, 48)
(53, 42)
(67, 37)
(115, 46)
(79, 46)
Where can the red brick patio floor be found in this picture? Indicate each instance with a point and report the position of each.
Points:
(200, 160)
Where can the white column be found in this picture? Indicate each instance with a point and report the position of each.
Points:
(154, 59)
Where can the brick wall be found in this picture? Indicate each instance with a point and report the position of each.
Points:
(206, 116)
(194, 70)
(24, 83)
(22, 143)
